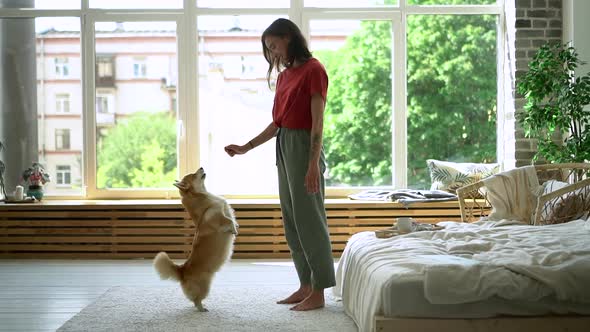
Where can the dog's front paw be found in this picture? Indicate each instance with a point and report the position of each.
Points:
(230, 228)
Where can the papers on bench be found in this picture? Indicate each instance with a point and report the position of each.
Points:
(404, 196)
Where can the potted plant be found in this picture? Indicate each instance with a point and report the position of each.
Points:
(34, 178)
(555, 112)
(2, 170)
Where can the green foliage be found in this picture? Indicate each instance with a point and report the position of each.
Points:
(451, 91)
(138, 153)
(358, 126)
(554, 113)
(451, 98)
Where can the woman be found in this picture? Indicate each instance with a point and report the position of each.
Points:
(298, 113)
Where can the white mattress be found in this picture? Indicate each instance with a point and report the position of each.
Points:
(475, 270)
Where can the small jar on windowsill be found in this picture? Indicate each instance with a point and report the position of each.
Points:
(35, 191)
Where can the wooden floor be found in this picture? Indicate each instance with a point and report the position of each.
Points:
(41, 295)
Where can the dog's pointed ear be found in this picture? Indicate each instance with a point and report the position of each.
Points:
(180, 185)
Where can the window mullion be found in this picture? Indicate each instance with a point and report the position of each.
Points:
(88, 100)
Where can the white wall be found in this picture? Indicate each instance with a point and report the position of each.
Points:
(576, 26)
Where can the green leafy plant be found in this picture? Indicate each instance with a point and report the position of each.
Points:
(555, 112)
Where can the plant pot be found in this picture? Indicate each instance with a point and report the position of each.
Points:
(35, 191)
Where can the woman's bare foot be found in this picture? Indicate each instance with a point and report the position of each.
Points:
(298, 296)
(315, 300)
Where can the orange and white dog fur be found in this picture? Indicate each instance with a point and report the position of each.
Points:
(215, 231)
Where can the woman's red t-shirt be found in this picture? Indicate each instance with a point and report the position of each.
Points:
(295, 86)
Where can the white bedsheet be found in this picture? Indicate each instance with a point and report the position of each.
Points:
(467, 263)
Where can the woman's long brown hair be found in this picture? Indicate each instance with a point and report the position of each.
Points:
(297, 49)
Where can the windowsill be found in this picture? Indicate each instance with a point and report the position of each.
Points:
(242, 203)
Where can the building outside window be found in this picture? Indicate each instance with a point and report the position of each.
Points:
(62, 67)
(104, 66)
(139, 67)
(62, 103)
(62, 139)
(105, 70)
(104, 104)
(63, 175)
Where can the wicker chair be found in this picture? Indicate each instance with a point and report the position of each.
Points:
(562, 205)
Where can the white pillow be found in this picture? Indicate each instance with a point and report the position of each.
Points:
(450, 176)
(553, 185)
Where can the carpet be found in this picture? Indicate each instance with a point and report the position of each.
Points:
(230, 309)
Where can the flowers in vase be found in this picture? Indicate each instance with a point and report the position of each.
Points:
(35, 176)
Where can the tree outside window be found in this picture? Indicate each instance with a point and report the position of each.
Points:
(451, 113)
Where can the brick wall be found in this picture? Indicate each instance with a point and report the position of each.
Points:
(537, 21)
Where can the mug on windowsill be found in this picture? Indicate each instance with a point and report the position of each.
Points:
(404, 224)
(19, 193)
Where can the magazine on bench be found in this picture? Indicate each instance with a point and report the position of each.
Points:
(405, 196)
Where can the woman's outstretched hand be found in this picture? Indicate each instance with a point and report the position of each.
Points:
(233, 149)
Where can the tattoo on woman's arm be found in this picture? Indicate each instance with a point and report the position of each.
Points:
(316, 145)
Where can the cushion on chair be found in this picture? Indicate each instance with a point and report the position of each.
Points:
(567, 207)
(449, 176)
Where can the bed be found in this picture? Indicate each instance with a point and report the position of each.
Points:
(489, 275)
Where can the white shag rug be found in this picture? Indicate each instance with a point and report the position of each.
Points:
(230, 309)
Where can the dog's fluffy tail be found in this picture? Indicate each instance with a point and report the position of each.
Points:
(166, 267)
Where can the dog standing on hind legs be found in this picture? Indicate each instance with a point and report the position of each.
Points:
(215, 231)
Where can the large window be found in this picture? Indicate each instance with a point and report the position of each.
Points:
(161, 88)
(451, 91)
(59, 99)
(136, 141)
(357, 55)
(235, 103)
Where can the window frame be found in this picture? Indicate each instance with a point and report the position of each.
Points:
(398, 17)
(63, 103)
(398, 95)
(109, 100)
(61, 68)
(63, 173)
(139, 67)
(105, 65)
(187, 90)
(63, 136)
(90, 93)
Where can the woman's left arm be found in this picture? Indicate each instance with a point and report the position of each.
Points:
(312, 178)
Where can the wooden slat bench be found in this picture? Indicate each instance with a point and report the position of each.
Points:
(142, 228)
